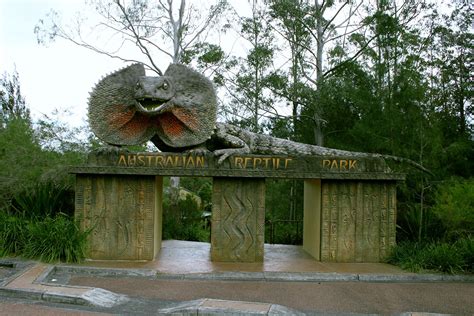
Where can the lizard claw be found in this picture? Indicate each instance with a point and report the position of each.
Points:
(226, 153)
(198, 150)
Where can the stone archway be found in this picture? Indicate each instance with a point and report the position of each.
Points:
(349, 208)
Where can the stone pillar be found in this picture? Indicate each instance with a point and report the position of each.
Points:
(358, 220)
(124, 214)
(312, 218)
(238, 219)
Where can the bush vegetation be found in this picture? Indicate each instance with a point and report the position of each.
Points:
(40, 225)
(437, 256)
(36, 195)
(447, 244)
(183, 219)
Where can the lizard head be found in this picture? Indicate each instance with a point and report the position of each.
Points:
(152, 92)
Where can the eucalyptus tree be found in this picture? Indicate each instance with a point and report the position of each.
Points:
(138, 30)
(13, 104)
(246, 81)
(311, 28)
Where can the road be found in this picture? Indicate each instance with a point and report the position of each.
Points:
(322, 297)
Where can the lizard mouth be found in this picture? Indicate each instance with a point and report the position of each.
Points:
(149, 105)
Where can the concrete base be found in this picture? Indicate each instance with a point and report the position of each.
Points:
(238, 219)
(124, 214)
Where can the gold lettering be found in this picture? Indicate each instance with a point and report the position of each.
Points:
(287, 160)
(246, 160)
(266, 160)
(159, 161)
(238, 162)
(176, 161)
(200, 161)
(255, 160)
(326, 163)
(122, 160)
(352, 164)
(141, 160)
(190, 161)
(334, 164)
(169, 160)
(343, 164)
(132, 160)
(150, 158)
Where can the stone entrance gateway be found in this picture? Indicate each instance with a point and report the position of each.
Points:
(349, 204)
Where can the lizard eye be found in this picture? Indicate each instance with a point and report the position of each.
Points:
(165, 86)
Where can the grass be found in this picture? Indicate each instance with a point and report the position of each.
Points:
(457, 257)
(50, 239)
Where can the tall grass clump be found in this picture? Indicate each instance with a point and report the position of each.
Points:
(56, 239)
(40, 225)
(435, 256)
(13, 234)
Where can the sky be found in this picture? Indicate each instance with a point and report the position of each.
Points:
(59, 75)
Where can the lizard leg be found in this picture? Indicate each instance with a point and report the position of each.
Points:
(237, 146)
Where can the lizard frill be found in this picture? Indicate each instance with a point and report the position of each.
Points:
(112, 113)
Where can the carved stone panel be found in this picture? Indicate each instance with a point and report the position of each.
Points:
(358, 220)
(238, 219)
(122, 213)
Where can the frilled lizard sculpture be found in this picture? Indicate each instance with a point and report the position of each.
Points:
(177, 112)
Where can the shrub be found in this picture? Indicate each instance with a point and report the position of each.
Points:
(408, 255)
(436, 256)
(44, 199)
(409, 221)
(13, 234)
(55, 239)
(443, 257)
(465, 247)
(455, 207)
(184, 221)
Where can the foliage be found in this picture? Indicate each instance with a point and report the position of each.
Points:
(44, 199)
(416, 226)
(13, 234)
(38, 227)
(55, 239)
(157, 30)
(455, 207)
(437, 256)
(28, 163)
(36, 199)
(12, 103)
(284, 212)
(184, 221)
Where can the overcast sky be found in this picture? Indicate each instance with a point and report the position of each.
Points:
(57, 76)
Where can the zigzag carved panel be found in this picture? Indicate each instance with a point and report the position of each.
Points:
(238, 219)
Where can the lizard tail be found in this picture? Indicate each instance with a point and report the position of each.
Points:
(407, 161)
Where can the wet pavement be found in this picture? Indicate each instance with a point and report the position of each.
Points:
(183, 281)
(182, 257)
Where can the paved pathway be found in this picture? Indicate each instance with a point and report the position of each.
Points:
(333, 297)
(183, 274)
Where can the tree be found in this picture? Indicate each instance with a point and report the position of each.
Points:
(158, 30)
(309, 27)
(250, 98)
(13, 105)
